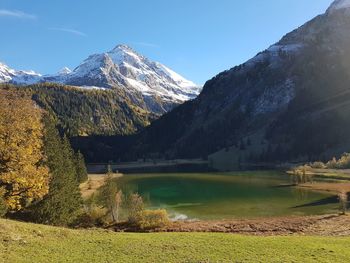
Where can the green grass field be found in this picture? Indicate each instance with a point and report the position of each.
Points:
(22, 242)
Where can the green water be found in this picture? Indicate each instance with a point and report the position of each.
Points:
(226, 195)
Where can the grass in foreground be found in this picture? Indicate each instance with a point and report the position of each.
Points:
(22, 242)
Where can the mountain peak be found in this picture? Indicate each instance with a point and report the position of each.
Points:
(64, 71)
(151, 85)
(123, 53)
(122, 47)
(338, 4)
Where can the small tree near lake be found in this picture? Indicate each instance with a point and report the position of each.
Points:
(112, 198)
(300, 175)
(343, 202)
(135, 208)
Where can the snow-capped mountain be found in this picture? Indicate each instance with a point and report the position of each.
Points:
(122, 67)
(151, 85)
(18, 76)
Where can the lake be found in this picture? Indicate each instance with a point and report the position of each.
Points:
(227, 195)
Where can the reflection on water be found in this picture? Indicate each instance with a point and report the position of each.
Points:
(301, 193)
(226, 195)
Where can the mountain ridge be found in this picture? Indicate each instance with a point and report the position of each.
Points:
(281, 105)
(150, 85)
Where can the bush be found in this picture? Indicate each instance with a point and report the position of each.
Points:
(135, 208)
(95, 216)
(332, 164)
(318, 165)
(342, 163)
(111, 198)
(151, 219)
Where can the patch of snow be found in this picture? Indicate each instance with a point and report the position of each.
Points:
(89, 65)
(64, 71)
(273, 52)
(285, 48)
(144, 89)
(275, 98)
(90, 87)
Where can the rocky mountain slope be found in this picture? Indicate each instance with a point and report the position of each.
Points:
(149, 85)
(290, 102)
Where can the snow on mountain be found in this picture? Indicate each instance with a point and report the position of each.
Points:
(5, 73)
(151, 85)
(18, 76)
(64, 71)
(123, 67)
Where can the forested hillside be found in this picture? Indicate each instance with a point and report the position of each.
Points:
(82, 112)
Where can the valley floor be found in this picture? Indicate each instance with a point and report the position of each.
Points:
(24, 242)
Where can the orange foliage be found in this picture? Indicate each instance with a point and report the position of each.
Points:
(23, 176)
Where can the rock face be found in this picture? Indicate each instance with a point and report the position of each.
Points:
(148, 84)
(289, 102)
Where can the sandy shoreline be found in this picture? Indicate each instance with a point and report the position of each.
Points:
(94, 182)
(323, 225)
(333, 188)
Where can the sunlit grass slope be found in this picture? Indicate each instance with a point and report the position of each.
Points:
(22, 242)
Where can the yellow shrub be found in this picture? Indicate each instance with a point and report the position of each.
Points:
(151, 219)
(94, 216)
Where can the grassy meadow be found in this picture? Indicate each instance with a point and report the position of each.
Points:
(24, 242)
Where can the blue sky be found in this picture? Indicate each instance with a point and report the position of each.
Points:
(196, 38)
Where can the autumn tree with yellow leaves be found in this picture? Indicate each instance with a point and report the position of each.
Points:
(23, 176)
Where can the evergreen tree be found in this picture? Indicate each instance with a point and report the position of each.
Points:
(62, 204)
(82, 175)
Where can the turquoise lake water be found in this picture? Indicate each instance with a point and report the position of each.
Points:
(227, 195)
